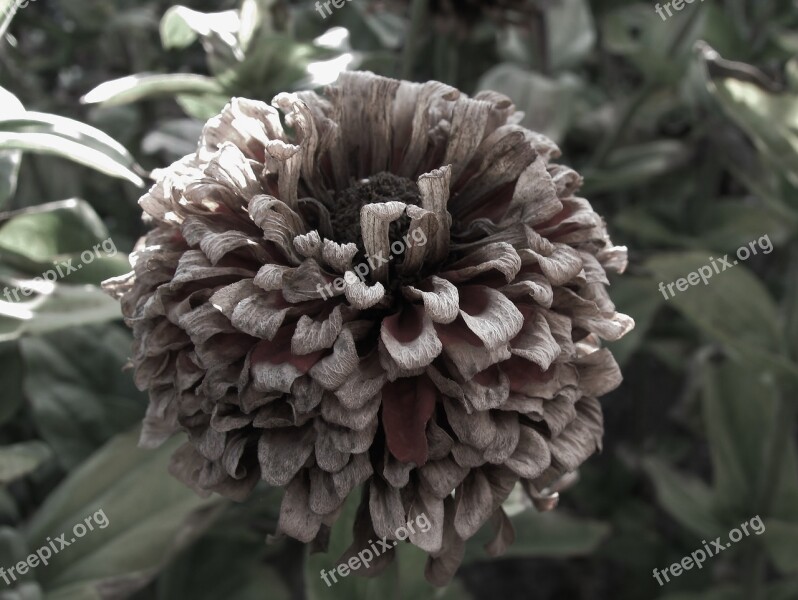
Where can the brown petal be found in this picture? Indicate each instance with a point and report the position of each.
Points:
(490, 315)
(296, 518)
(440, 298)
(283, 452)
(532, 456)
(410, 338)
(407, 405)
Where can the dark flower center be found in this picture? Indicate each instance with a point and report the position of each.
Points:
(382, 187)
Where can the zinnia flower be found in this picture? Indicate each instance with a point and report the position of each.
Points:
(388, 286)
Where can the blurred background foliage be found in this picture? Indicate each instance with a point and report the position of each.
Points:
(686, 130)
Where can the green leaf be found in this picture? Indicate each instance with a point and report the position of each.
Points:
(734, 308)
(176, 30)
(141, 518)
(79, 394)
(549, 534)
(8, 8)
(35, 240)
(9, 159)
(10, 380)
(411, 562)
(548, 103)
(48, 230)
(687, 499)
(202, 106)
(55, 307)
(56, 145)
(571, 33)
(36, 122)
(631, 166)
(781, 540)
(739, 433)
(20, 459)
(769, 118)
(725, 592)
(783, 590)
(134, 88)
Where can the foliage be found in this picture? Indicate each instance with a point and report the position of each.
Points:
(685, 130)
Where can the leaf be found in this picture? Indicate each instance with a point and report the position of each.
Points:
(781, 541)
(733, 308)
(36, 122)
(79, 395)
(739, 432)
(20, 459)
(56, 228)
(548, 103)
(230, 559)
(549, 534)
(636, 165)
(411, 562)
(148, 516)
(725, 592)
(10, 380)
(571, 33)
(55, 307)
(134, 88)
(202, 106)
(56, 145)
(688, 500)
(176, 30)
(8, 8)
(769, 118)
(9, 159)
(48, 236)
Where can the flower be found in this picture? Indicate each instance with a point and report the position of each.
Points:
(465, 359)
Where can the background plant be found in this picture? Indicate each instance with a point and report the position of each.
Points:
(685, 131)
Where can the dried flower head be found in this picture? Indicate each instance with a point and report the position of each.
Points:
(390, 285)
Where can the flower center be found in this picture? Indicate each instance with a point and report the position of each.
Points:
(382, 187)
